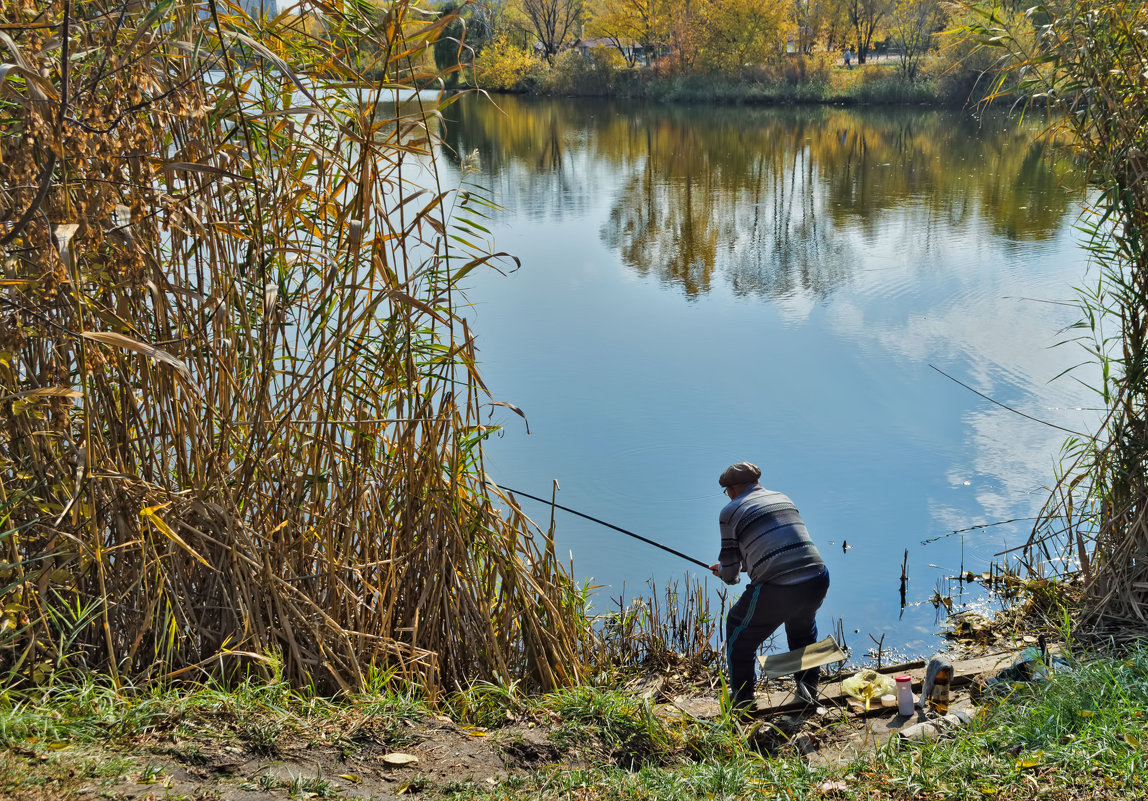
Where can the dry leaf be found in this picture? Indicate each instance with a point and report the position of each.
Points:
(44, 392)
(149, 513)
(514, 409)
(1035, 759)
(828, 787)
(127, 343)
(63, 235)
(398, 760)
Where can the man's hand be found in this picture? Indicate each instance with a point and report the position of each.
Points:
(716, 569)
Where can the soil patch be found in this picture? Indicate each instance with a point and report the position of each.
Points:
(434, 754)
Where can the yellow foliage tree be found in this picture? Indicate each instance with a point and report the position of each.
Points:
(866, 16)
(814, 19)
(504, 65)
(736, 34)
(913, 25)
(627, 22)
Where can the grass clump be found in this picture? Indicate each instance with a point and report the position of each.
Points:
(674, 629)
(253, 713)
(486, 704)
(626, 726)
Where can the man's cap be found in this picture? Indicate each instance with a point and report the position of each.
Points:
(740, 473)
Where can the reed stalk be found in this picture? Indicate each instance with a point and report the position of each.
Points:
(674, 628)
(1084, 61)
(241, 410)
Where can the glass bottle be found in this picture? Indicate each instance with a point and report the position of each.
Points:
(939, 695)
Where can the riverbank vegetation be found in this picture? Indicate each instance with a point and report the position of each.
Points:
(1084, 63)
(242, 421)
(1080, 734)
(241, 415)
(788, 51)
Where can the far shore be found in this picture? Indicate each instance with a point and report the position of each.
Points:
(879, 81)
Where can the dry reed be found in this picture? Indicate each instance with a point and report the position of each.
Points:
(1085, 61)
(241, 413)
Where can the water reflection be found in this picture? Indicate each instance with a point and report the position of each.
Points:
(772, 198)
(706, 285)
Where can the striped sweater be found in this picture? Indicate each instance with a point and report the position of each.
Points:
(762, 533)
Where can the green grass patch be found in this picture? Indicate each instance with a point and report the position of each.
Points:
(1083, 733)
(255, 712)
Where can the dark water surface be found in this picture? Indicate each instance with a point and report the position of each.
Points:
(707, 285)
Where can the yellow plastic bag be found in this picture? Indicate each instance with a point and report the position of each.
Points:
(867, 685)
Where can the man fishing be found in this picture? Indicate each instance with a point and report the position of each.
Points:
(762, 534)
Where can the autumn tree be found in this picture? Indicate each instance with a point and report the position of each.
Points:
(810, 19)
(913, 24)
(628, 22)
(865, 16)
(685, 36)
(805, 23)
(740, 33)
(552, 22)
(835, 26)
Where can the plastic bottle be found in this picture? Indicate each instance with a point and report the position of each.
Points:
(905, 703)
(939, 695)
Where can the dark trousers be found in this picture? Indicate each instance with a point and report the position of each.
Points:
(757, 614)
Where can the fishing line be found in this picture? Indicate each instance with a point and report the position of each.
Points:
(1009, 408)
(977, 527)
(602, 523)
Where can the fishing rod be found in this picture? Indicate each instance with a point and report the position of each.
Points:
(603, 523)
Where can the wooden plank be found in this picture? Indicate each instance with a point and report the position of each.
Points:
(964, 672)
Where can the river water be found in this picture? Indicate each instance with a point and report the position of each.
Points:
(700, 286)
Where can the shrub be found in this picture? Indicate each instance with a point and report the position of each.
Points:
(505, 66)
(574, 72)
(800, 69)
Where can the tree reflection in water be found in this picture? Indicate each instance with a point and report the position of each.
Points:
(773, 199)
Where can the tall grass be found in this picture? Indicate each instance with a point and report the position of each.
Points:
(1085, 62)
(241, 413)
